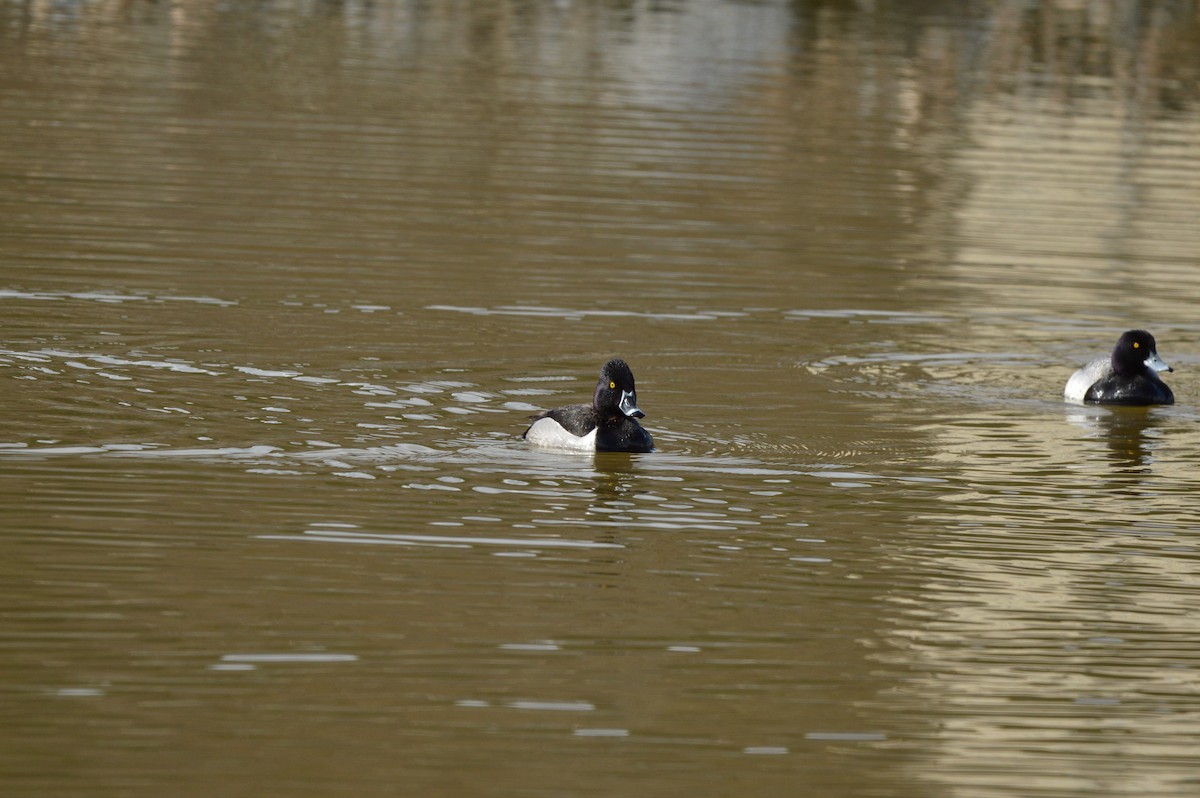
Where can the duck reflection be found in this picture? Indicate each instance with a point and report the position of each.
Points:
(614, 477)
(1129, 433)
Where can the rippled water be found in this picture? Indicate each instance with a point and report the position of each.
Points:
(281, 284)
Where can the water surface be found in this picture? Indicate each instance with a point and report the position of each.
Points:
(281, 285)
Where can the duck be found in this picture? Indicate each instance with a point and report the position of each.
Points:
(1127, 377)
(608, 424)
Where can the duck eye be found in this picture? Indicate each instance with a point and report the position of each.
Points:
(1136, 345)
(611, 385)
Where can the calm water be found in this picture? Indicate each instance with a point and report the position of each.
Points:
(281, 282)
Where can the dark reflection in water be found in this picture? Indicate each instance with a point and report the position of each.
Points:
(616, 476)
(1130, 435)
(281, 283)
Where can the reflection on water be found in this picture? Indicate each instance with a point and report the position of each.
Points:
(1129, 438)
(281, 285)
(1055, 607)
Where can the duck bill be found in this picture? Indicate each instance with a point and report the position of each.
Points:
(1155, 362)
(628, 405)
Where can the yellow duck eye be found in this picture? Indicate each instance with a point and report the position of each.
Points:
(1136, 345)
(612, 384)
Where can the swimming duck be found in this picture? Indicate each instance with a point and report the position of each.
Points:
(608, 424)
(1128, 377)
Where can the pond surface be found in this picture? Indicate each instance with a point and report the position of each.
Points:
(282, 282)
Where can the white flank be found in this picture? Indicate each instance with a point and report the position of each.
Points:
(549, 434)
(1085, 378)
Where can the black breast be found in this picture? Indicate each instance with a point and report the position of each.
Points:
(1141, 389)
(622, 434)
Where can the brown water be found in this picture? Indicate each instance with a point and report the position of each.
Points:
(281, 282)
